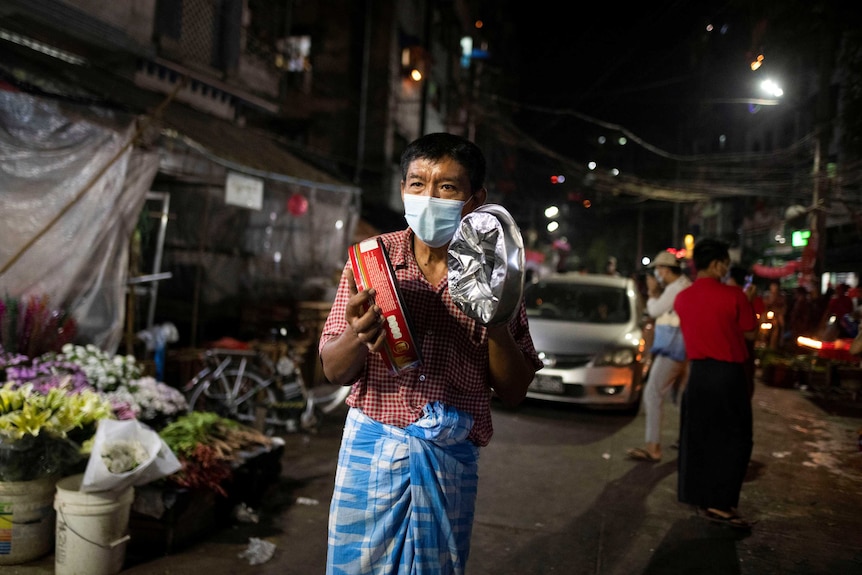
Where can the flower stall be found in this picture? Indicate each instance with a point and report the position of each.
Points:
(54, 395)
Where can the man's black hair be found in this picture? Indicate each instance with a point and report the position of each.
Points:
(709, 250)
(441, 145)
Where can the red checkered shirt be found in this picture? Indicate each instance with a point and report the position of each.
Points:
(453, 346)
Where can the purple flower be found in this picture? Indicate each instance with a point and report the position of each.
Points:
(44, 373)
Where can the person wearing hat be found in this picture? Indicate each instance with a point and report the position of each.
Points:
(669, 366)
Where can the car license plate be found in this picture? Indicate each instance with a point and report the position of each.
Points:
(547, 383)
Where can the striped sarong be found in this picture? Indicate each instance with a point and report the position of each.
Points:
(404, 499)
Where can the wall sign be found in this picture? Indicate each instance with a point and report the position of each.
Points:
(243, 191)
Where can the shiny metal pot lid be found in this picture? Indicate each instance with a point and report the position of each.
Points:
(486, 265)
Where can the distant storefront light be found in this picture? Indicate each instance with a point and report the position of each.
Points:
(799, 238)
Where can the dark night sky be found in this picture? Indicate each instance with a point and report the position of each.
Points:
(640, 67)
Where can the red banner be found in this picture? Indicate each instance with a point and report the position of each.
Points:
(788, 269)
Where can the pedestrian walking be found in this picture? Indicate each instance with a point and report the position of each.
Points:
(669, 366)
(406, 481)
(715, 420)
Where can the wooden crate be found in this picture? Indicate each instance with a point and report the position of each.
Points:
(190, 515)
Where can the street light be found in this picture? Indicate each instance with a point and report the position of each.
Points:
(772, 88)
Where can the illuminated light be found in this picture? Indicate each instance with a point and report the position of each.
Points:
(587, 203)
(622, 141)
(415, 75)
(276, 257)
(809, 342)
(615, 172)
(479, 24)
(757, 63)
(602, 139)
(553, 226)
(688, 241)
(799, 238)
(552, 211)
(710, 28)
(772, 88)
(466, 46)
(558, 179)
(339, 224)
(592, 165)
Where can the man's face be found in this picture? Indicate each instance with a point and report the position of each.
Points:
(445, 179)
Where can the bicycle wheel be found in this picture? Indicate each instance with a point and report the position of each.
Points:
(253, 400)
(234, 393)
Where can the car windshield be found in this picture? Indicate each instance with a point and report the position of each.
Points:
(577, 302)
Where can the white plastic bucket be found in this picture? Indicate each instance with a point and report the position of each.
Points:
(92, 529)
(26, 520)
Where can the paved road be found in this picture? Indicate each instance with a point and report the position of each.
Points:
(558, 496)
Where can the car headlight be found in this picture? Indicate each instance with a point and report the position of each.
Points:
(548, 360)
(620, 357)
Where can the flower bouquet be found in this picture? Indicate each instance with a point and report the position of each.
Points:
(127, 453)
(43, 434)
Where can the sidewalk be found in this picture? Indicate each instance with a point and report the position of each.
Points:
(558, 496)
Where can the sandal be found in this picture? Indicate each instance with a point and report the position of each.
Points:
(642, 455)
(730, 519)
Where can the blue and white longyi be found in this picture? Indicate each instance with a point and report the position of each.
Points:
(404, 499)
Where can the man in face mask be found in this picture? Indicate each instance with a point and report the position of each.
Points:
(410, 447)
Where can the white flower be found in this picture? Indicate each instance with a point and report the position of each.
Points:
(150, 399)
(104, 372)
(123, 456)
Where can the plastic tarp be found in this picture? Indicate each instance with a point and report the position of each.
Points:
(72, 186)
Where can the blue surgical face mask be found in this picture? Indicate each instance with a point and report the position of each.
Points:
(433, 220)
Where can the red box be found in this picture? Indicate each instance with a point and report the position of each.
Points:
(372, 269)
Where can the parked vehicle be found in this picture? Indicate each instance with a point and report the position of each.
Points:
(589, 332)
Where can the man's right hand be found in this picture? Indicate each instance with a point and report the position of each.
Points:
(363, 316)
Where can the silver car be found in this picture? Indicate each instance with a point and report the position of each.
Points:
(588, 331)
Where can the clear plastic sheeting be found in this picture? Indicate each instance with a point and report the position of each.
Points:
(486, 265)
(71, 189)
